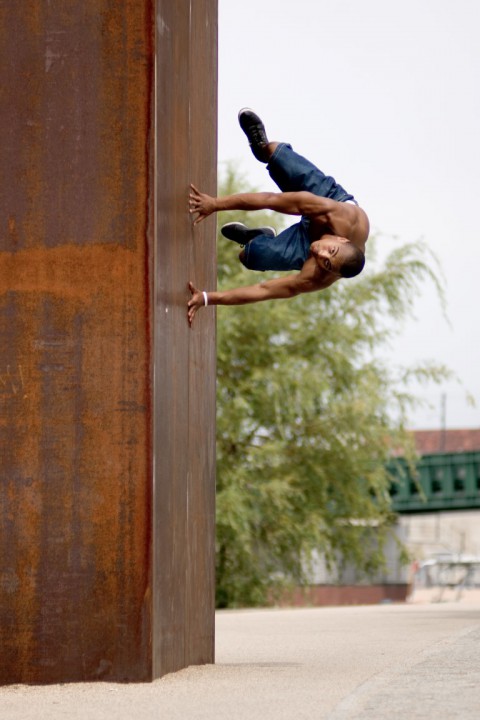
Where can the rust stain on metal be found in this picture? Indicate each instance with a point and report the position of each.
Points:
(75, 413)
(75, 400)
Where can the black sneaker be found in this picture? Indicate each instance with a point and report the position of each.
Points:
(239, 233)
(254, 129)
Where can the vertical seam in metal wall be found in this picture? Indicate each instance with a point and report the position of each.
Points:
(214, 439)
(153, 599)
(186, 623)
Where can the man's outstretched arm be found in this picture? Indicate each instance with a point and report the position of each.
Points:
(278, 288)
(291, 203)
(284, 287)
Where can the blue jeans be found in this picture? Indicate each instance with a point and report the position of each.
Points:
(289, 250)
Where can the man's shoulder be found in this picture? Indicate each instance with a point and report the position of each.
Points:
(312, 277)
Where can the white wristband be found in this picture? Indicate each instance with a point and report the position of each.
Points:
(205, 297)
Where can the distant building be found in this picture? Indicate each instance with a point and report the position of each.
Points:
(440, 509)
(438, 522)
(431, 442)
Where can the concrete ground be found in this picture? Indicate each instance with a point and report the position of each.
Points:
(418, 660)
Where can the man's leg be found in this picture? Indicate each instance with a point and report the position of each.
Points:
(264, 250)
(286, 251)
(289, 170)
(293, 172)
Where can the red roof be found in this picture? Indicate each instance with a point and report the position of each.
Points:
(429, 442)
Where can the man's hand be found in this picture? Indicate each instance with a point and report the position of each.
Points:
(196, 302)
(200, 203)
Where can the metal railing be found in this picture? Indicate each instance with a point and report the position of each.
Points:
(447, 481)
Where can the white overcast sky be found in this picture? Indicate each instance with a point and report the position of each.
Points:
(384, 96)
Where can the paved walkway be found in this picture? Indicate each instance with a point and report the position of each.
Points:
(379, 662)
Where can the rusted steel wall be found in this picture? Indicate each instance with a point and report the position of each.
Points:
(106, 505)
(186, 38)
(186, 152)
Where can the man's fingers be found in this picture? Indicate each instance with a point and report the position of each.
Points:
(193, 304)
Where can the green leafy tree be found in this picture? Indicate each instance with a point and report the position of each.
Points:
(307, 418)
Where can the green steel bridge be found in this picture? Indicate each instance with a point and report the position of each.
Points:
(446, 481)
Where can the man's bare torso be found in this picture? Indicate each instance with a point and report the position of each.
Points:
(343, 220)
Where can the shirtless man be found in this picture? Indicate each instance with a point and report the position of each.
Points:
(326, 245)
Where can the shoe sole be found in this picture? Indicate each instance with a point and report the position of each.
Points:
(248, 110)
